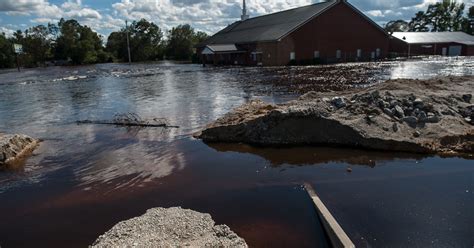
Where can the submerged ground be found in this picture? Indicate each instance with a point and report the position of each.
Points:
(85, 178)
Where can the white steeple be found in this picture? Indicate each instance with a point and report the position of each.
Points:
(244, 15)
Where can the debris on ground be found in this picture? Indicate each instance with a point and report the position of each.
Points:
(131, 120)
(13, 147)
(424, 116)
(170, 227)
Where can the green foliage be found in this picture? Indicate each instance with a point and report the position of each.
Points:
(7, 57)
(469, 23)
(419, 23)
(145, 42)
(77, 43)
(396, 26)
(446, 15)
(181, 42)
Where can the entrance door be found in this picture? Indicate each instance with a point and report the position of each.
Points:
(455, 50)
(445, 51)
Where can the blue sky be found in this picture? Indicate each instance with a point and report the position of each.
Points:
(105, 16)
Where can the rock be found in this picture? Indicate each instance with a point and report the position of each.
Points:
(416, 112)
(467, 98)
(408, 111)
(448, 112)
(373, 111)
(395, 127)
(422, 116)
(411, 120)
(170, 227)
(394, 103)
(14, 147)
(406, 102)
(469, 120)
(338, 102)
(418, 103)
(429, 107)
(398, 111)
(349, 169)
(388, 112)
(375, 94)
(432, 118)
(383, 104)
(370, 119)
(416, 134)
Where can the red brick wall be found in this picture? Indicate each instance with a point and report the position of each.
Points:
(470, 50)
(339, 28)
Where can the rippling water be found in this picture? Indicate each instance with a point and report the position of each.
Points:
(85, 178)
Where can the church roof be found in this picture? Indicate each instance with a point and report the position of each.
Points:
(270, 27)
(435, 37)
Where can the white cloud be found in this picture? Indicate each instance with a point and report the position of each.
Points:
(8, 32)
(205, 15)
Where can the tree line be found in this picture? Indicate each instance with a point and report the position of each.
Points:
(69, 42)
(447, 15)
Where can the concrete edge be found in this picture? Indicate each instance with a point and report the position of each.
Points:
(335, 232)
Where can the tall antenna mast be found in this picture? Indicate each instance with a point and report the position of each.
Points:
(244, 12)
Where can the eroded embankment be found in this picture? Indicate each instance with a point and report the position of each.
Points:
(14, 147)
(424, 116)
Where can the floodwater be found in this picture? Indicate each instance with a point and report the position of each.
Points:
(85, 178)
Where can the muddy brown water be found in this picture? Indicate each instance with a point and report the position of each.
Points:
(86, 178)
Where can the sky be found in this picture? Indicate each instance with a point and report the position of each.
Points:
(106, 16)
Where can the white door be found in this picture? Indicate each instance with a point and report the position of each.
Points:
(455, 50)
(445, 51)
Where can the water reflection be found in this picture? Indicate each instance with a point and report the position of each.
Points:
(137, 164)
(317, 155)
(163, 163)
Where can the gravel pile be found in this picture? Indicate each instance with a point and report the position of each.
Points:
(170, 227)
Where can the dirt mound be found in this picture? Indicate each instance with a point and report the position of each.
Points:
(170, 227)
(14, 147)
(424, 116)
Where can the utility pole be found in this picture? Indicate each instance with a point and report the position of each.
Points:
(17, 62)
(128, 43)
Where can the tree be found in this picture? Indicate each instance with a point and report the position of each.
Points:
(445, 16)
(200, 37)
(181, 42)
(117, 45)
(396, 26)
(469, 22)
(36, 46)
(7, 57)
(145, 42)
(419, 23)
(79, 43)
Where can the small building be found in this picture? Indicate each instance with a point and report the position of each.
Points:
(326, 32)
(408, 44)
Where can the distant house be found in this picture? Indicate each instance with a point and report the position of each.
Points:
(432, 43)
(332, 31)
